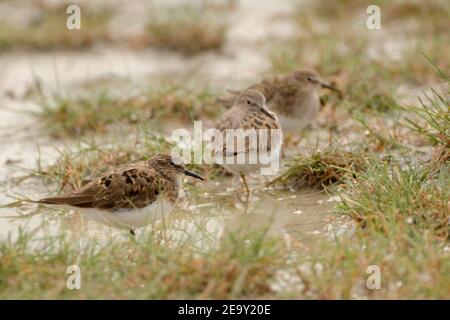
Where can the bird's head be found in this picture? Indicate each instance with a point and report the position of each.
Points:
(252, 99)
(310, 79)
(171, 165)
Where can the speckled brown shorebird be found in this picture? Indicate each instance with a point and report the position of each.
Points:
(131, 196)
(249, 112)
(294, 97)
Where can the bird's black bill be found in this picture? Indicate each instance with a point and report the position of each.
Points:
(193, 174)
(267, 113)
(327, 86)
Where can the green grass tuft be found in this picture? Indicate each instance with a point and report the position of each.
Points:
(389, 199)
(155, 267)
(76, 166)
(66, 116)
(321, 168)
(434, 112)
(48, 29)
(189, 29)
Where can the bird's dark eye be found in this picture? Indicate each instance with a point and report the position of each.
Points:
(248, 102)
(309, 78)
(171, 163)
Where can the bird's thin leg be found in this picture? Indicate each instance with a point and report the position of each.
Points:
(247, 190)
(334, 117)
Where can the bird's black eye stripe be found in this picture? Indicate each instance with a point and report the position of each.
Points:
(171, 163)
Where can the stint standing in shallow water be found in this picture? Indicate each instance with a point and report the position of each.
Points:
(131, 196)
(294, 97)
(249, 112)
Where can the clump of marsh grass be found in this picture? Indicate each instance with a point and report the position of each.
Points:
(48, 29)
(434, 112)
(398, 222)
(97, 112)
(75, 167)
(189, 29)
(411, 267)
(63, 116)
(388, 199)
(184, 104)
(435, 11)
(321, 168)
(154, 267)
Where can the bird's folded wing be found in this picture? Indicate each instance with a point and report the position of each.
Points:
(131, 187)
(249, 138)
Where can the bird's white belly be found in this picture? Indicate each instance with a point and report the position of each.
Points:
(270, 160)
(291, 124)
(305, 113)
(126, 218)
(296, 123)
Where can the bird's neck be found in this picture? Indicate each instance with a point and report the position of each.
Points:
(308, 99)
(170, 186)
(168, 176)
(307, 94)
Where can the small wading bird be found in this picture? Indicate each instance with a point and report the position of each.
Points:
(294, 97)
(131, 196)
(249, 112)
